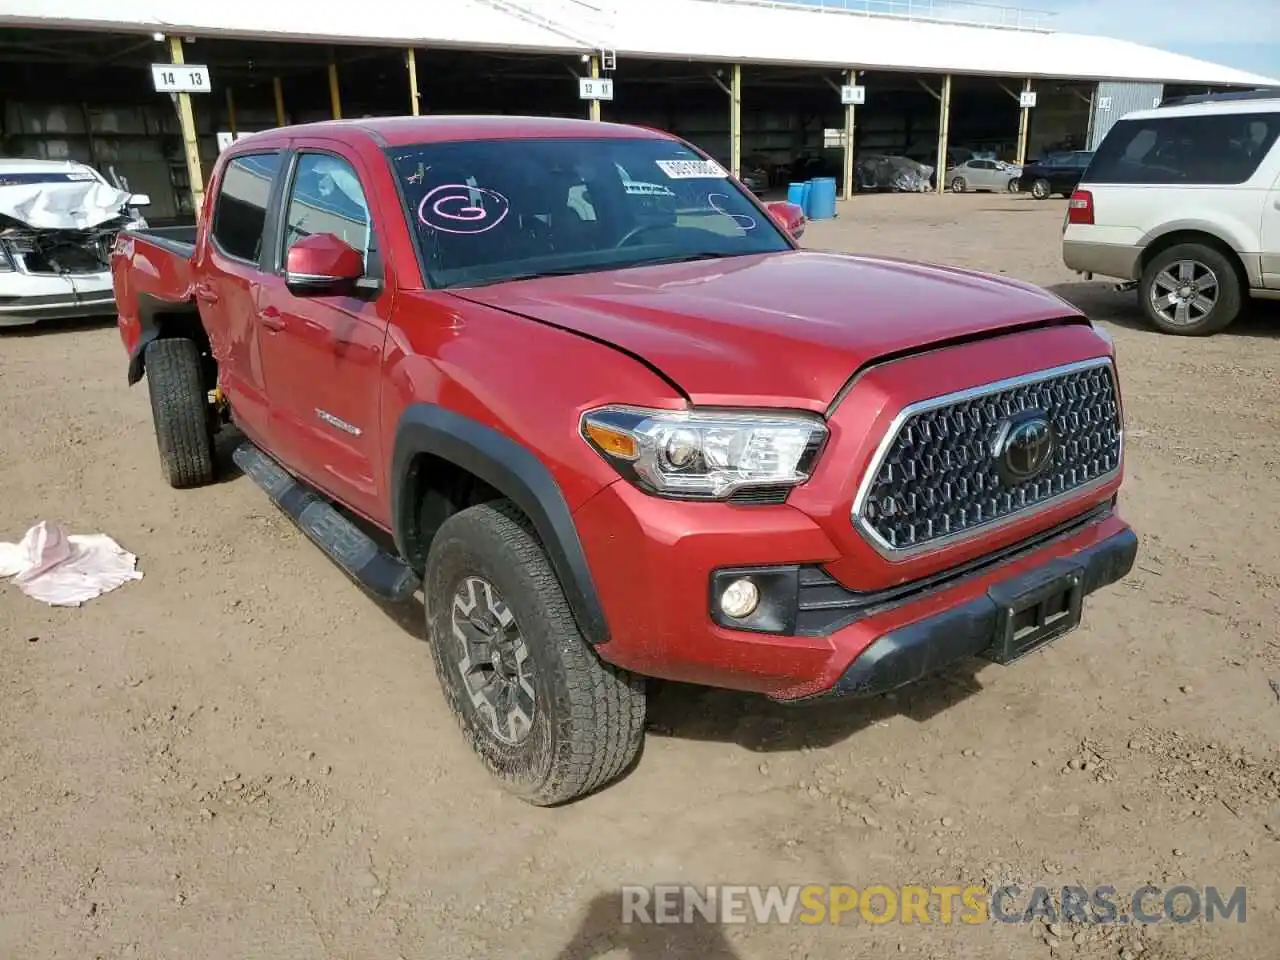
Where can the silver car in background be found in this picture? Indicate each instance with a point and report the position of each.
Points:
(995, 175)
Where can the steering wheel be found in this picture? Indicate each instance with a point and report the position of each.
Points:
(635, 231)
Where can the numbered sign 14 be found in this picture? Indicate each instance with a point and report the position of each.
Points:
(180, 78)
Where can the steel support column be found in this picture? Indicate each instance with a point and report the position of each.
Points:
(191, 145)
(944, 128)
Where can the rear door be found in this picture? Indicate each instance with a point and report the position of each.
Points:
(322, 355)
(228, 274)
(983, 173)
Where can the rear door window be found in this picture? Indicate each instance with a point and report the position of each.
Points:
(1216, 149)
(240, 212)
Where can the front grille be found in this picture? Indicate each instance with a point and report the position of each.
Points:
(945, 469)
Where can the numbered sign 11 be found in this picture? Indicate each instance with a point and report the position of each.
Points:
(180, 78)
(593, 88)
(852, 95)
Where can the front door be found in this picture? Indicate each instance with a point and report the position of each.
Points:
(322, 355)
(1271, 237)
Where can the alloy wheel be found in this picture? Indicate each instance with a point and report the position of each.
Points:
(493, 660)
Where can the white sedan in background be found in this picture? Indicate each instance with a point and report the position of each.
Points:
(58, 223)
(994, 175)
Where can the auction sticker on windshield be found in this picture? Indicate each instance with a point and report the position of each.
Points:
(691, 169)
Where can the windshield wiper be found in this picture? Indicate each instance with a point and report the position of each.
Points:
(598, 268)
(690, 258)
(531, 275)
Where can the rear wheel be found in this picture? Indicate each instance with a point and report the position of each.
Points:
(547, 717)
(1190, 290)
(958, 185)
(1041, 190)
(180, 410)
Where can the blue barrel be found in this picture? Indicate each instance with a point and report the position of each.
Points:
(796, 193)
(822, 199)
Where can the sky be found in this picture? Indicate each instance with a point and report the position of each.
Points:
(1244, 34)
(1237, 33)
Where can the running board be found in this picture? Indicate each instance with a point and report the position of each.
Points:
(346, 544)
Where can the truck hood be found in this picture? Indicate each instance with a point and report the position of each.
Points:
(779, 330)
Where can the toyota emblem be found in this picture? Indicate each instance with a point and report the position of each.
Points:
(1024, 447)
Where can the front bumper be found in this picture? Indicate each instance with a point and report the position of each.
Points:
(20, 311)
(654, 561)
(971, 629)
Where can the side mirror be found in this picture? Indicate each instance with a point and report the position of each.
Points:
(140, 200)
(789, 216)
(322, 265)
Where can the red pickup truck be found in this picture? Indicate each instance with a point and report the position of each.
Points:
(586, 392)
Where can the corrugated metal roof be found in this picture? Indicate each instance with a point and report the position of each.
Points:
(785, 33)
(753, 32)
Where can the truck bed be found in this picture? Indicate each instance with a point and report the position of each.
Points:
(180, 240)
(151, 275)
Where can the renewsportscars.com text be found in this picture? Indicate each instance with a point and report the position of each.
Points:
(941, 904)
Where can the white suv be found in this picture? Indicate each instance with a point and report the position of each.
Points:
(1183, 202)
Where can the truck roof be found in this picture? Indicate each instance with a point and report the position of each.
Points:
(402, 131)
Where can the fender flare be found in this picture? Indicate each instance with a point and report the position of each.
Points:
(148, 309)
(513, 471)
(137, 363)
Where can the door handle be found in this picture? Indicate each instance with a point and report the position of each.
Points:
(206, 293)
(271, 319)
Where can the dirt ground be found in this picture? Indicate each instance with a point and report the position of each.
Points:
(241, 755)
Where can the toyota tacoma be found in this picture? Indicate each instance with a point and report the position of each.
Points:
(613, 434)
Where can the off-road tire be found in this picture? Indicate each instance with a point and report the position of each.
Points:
(1228, 301)
(1042, 189)
(588, 720)
(180, 411)
(959, 185)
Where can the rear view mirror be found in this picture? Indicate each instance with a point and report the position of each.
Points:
(140, 200)
(789, 217)
(322, 265)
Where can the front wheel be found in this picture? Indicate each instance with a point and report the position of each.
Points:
(547, 717)
(1190, 290)
(958, 185)
(1014, 185)
(1041, 190)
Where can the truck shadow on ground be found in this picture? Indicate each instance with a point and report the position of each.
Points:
(225, 442)
(602, 932)
(761, 725)
(1100, 301)
(687, 712)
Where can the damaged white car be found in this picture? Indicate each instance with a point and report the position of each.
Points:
(58, 223)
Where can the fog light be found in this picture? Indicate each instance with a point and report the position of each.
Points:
(739, 599)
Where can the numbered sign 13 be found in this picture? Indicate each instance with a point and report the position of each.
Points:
(180, 78)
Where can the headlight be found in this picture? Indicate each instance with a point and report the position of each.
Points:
(705, 455)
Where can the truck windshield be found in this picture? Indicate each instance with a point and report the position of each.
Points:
(485, 211)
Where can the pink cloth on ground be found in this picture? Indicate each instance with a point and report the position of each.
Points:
(64, 571)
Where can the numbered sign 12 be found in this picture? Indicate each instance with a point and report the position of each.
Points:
(593, 88)
(852, 95)
(1027, 99)
(180, 78)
